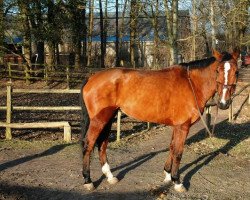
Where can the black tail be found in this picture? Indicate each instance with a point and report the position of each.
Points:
(85, 115)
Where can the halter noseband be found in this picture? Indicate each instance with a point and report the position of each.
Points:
(226, 86)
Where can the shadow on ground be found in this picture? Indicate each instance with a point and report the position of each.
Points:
(52, 150)
(26, 192)
(233, 133)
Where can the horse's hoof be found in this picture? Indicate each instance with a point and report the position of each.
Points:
(89, 186)
(113, 180)
(180, 188)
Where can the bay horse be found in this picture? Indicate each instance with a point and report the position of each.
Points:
(173, 96)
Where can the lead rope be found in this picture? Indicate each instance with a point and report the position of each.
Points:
(215, 118)
(203, 121)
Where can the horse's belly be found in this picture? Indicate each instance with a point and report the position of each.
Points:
(167, 114)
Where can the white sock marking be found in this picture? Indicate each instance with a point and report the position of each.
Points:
(167, 177)
(107, 172)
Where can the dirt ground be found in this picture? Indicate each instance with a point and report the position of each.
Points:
(37, 165)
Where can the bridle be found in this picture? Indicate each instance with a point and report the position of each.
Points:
(226, 86)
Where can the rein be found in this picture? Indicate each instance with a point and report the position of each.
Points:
(195, 97)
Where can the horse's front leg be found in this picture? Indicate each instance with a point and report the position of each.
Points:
(176, 151)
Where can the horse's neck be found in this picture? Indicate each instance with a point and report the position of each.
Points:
(205, 83)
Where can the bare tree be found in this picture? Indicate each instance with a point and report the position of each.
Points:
(194, 29)
(24, 9)
(117, 60)
(212, 21)
(133, 29)
(171, 12)
(102, 36)
(90, 31)
(1, 31)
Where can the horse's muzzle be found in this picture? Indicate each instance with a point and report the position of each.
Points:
(225, 105)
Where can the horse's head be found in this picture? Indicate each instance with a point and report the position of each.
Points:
(227, 72)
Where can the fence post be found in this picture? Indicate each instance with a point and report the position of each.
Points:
(8, 134)
(46, 74)
(27, 73)
(9, 70)
(230, 113)
(118, 136)
(67, 74)
(67, 133)
(149, 126)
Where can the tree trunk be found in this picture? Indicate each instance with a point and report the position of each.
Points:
(78, 54)
(121, 33)
(117, 60)
(133, 27)
(194, 29)
(39, 39)
(172, 26)
(51, 56)
(27, 35)
(1, 31)
(51, 41)
(156, 36)
(90, 33)
(84, 35)
(40, 52)
(102, 35)
(212, 21)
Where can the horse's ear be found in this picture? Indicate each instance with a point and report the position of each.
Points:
(217, 55)
(236, 53)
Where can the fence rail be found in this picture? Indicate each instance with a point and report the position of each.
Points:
(67, 74)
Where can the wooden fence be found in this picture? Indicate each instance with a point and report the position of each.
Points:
(68, 74)
(63, 124)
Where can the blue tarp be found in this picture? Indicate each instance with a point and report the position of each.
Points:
(14, 40)
(125, 38)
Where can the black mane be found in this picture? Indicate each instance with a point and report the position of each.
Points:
(199, 63)
(206, 62)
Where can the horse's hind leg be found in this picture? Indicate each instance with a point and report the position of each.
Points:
(102, 142)
(96, 127)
